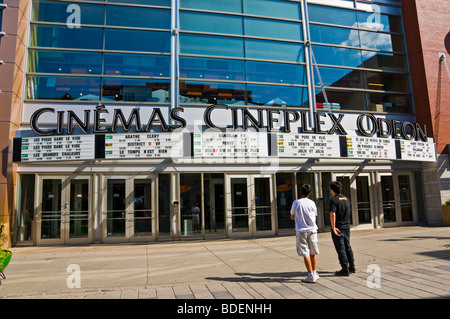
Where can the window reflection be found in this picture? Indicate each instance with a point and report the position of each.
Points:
(218, 69)
(273, 50)
(333, 35)
(211, 93)
(337, 56)
(55, 11)
(211, 45)
(137, 65)
(275, 73)
(65, 88)
(207, 22)
(381, 41)
(137, 40)
(347, 100)
(223, 5)
(137, 17)
(273, 29)
(386, 81)
(276, 95)
(331, 15)
(63, 37)
(273, 8)
(338, 77)
(135, 90)
(146, 2)
(389, 102)
(381, 22)
(386, 61)
(64, 62)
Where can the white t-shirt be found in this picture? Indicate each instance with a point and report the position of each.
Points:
(305, 211)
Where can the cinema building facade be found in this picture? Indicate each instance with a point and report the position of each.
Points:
(124, 116)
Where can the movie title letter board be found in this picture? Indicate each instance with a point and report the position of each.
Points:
(418, 151)
(371, 148)
(308, 145)
(57, 148)
(143, 145)
(236, 144)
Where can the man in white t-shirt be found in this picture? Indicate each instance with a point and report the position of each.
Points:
(304, 212)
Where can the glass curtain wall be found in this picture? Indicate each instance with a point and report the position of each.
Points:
(359, 56)
(242, 52)
(100, 51)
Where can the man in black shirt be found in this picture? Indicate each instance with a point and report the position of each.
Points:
(340, 214)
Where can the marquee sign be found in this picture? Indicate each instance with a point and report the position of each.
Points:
(308, 145)
(250, 134)
(230, 144)
(143, 145)
(371, 148)
(55, 148)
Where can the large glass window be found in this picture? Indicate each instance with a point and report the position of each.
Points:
(64, 37)
(273, 29)
(276, 73)
(223, 5)
(211, 92)
(211, 45)
(214, 23)
(140, 90)
(137, 17)
(273, 8)
(60, 12)
(273, 50)
(217, 69)
(137, 40)
(330, 15)
(82, 51)
(277, 95)
(60, 62)
(136, 65)
(63, 88)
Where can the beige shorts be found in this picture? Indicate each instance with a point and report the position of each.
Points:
(307, 243)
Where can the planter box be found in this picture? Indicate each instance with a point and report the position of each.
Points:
(446, 214)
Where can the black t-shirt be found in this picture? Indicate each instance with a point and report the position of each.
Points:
(341, 206)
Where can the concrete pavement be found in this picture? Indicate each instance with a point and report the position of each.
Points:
(405, 262)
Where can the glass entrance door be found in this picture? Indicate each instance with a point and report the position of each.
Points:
(398, 203)
(250, 205)
(64, 213)
(128, 208)
(358, 188)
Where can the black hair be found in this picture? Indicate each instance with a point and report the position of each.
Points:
(306, 189)
(336, 187)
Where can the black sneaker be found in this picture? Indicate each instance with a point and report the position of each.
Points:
(342, 272)
(351, 269)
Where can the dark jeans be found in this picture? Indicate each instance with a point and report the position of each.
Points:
(343, 248)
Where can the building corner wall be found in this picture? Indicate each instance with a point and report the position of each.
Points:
(13, 52)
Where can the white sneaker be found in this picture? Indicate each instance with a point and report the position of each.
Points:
(316, 276)
(309, 279)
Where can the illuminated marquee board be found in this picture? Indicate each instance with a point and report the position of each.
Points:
(308, 145)
(230, 144)
(216, 145)
(143, 145)
(371, 148)
(57, 148)
(417, 151)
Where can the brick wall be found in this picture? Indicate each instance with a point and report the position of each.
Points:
(427, 26)
(13, 54)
